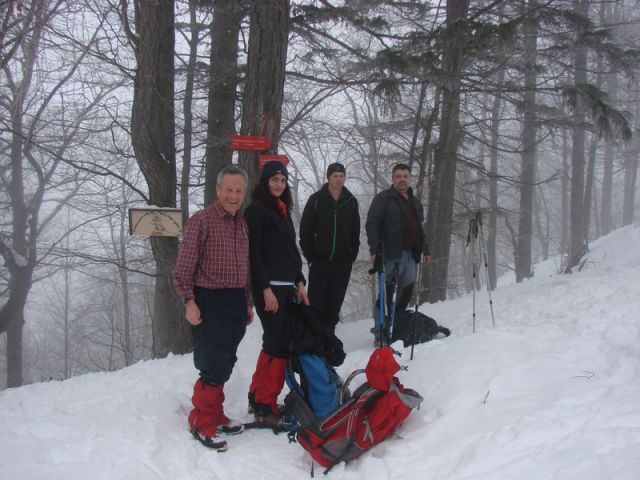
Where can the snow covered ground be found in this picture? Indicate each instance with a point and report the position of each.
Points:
(553, 392)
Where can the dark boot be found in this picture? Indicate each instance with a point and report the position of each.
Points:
(403, 298)
(263, 413)
(203, 418)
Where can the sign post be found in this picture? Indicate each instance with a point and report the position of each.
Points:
(155, 222)
(247, 142)
(262, 159)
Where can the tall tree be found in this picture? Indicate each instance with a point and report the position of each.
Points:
(528, 156)
(577, 243)
(631, 161)
(32, 152)
(264, 84)
(153, 139)
(440, 216)
(223, 83)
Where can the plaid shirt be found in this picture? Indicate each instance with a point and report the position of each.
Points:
(214, 252)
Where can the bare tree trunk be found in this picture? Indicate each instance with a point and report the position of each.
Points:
(223, 83)
(607, 176)
(542, 233)
(417, 126)
(593, 150)
(124, 289)
(631, 154)
(21, 256)
(493, 182)
(427, 150)
(577, 245)
(589, 185)
(187, 108)
(528, 158)
(153, 138)
(264, 87)
(564, 187)
(67, 305)
(607, 186)
(441, 196)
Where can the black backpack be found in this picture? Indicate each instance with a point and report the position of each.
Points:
(426, 328)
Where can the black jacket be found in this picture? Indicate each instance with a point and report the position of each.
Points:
(310, 334)
(330, 230)
(273, 253)
(385, 223)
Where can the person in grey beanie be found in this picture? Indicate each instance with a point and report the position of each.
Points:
(330, 239)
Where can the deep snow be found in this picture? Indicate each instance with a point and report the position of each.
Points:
(553, 392)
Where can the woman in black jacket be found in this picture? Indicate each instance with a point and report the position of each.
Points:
(277, 283)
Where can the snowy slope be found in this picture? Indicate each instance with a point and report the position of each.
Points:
(553, 392)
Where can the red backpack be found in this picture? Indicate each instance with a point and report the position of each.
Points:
(362, 420)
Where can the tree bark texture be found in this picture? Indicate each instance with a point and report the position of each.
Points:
(264, 85)
(631, 154)
(21, 256)
(528, 157)
(577, 244)
(441, 196)
(564, 192)
(153, 138)
(187, 109)
(223, 82)
(493, 183)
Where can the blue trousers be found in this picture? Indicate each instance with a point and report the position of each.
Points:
(216, 339)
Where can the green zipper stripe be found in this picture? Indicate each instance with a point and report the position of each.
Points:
(333, 240)
(335, 226)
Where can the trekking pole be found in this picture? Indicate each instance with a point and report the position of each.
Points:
(392, 303)
(383, 302)
(378, 267)
(471, 240)
(486, 267)
(417, 304)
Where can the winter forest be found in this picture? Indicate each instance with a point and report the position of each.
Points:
(527, 111)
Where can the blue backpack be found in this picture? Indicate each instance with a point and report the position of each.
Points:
(319, 383)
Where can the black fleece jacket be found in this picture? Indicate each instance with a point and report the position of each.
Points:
(329, 229)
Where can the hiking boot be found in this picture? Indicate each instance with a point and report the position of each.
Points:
(270, 420)
(230, 427)
(210, 442)
(251, 409)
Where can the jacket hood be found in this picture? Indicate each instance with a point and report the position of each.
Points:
(345, 194)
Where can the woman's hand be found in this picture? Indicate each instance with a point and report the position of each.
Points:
(301, 294)
(270, 301)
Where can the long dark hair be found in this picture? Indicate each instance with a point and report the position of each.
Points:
(262, 194)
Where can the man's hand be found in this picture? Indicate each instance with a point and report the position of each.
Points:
(249, 315)
(373, 259)
(270, 301)
(192, 312)
(426, 259)
(301, 294)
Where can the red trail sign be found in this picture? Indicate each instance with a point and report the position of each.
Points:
(247, 142)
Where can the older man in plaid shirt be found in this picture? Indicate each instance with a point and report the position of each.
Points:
(212, 277)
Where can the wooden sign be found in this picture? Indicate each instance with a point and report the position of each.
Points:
(262, 159)
(246, 142)
(155, 222)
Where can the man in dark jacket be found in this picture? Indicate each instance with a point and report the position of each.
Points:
(330, 239)
(396, 221)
